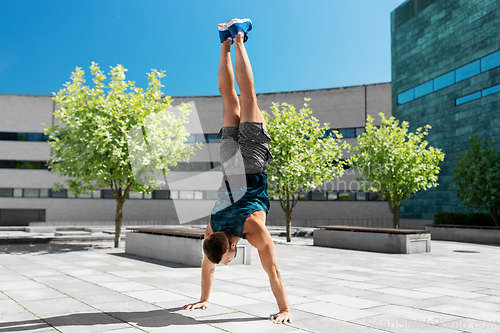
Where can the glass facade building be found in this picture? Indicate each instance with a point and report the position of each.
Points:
(446, 73)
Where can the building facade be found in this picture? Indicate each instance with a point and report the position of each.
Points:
(446, 73)
(26, 186)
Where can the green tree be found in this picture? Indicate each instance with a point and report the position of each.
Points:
(304, 156)
(112, 135)
(477, 176)
(396, 162)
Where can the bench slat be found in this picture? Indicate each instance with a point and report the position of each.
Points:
(179, 232)
(376, 230)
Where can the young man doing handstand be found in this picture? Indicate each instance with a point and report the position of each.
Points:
(242, 205)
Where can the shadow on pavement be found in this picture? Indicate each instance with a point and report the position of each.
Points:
(152, 319)
(44, 248)
(150, 260)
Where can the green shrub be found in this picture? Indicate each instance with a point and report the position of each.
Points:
(478, 219)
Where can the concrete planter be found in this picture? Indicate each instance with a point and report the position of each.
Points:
(373, 239)
(170, 245)
(464, 233)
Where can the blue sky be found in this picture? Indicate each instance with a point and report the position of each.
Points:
(294, 45)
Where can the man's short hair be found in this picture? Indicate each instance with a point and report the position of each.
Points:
(215, 246)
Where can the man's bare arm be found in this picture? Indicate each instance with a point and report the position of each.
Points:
(207, 278)
(261, 240)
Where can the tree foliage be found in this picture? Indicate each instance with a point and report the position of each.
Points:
(96, 138)
(477, 176)
(304, 156)
(396, 162)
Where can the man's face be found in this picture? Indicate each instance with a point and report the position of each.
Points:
(228, 256)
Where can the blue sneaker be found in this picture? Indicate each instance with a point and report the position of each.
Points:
(236, 25)
(224, 33)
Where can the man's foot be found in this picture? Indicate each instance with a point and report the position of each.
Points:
(237, 26)
(224, 33)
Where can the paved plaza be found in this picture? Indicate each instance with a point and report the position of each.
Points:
(94, 288)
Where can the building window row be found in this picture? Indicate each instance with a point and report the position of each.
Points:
(42, 165)
(181, 195)
(12, 164)
(193, 138)
(38, 137)
(477, 95)
(474, 68)
(346, 132)
(21, 136)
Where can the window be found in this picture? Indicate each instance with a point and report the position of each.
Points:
(192, 166)
(191, 139)
(406, 96)
(468, 98)
(491, 90)
(490, 61)
(200, 138)
(63, 193)
(212, 138)
(31, 193)
(444, 80)
(107, 194)
(361, 196)
(423, 89)
(8, 164)
(360, 131)
(96, 194)
(14, 136)
(333, 196)
(347, 196)
(44, 193)
(319, 196)
(33, 165)
(6, 192)
(8, 136)
(135, 195)
(34, 137)
(87, 195)
(348, 132)
(161, 194)
(375, 196)
(476, 67)
(186, 195)
(174, 194)
(18, 193)
(198, 195)
(148, 196)
(468, 71)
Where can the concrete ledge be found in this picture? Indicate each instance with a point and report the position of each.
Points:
(465, 233)
(178, 245)
(373, 239)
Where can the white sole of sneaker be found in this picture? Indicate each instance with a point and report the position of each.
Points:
(235, 20)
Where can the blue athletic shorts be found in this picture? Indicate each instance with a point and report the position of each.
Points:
(244, 156)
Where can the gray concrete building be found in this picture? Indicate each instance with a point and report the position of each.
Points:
(26, 194)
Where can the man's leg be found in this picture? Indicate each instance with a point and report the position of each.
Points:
(226, 87)
(244, 76)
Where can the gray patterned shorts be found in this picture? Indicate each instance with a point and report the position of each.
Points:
(245, 149)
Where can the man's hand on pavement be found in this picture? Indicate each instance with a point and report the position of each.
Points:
(282, 317)
(198, 305)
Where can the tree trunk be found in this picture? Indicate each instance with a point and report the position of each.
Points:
(288, 226)
(494, 213)
(118, 223)
(395, 218)
(394, 210)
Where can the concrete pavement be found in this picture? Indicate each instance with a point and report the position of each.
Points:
(89, 287)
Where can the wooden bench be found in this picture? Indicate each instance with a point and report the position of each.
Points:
(179, 245)
(383, 240)
(465, 233)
